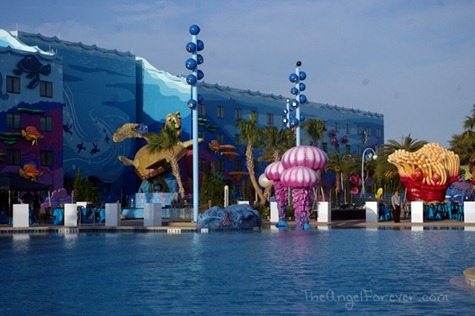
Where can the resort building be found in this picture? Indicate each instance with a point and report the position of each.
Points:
(61, 102)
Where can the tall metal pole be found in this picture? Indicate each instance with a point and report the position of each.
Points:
(192, 64)
(362, 168)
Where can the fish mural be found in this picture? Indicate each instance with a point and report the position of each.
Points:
(67, 128)
(33, 68)
(30, 172)
(80, 147)
(32, 133)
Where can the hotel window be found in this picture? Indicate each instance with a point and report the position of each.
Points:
(348, 149)
(220, 165)
(13, 120)
(255, 115)
(324, 125)
(348, 129)
(202, 164)
(336, 127)
(270, 119)
(46, 123)
(358, 150)
(337, 148)
(46, 158)
(220, 111)
(358, 130)
(13, 84)
(220, 138)
(237, 114)
(46, 89)
(238, 165)
(202, 134)
(13, 157)
(378, 132)
(201, 109)
(369, 131)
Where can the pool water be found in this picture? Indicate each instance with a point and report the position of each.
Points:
(335, 271)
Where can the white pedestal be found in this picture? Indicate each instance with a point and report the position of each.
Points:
(82, 203)
(274, 212)
(70, 215)
(469, 212)
(21, 215)
(371, 209)
(152, 214)
(112, 214)
(417, 212)
(324, 212)
(243, 202)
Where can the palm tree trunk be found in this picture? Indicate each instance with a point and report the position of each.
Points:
(176, 174)
(252, 176)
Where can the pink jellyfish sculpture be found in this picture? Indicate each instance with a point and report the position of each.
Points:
(273, 172)
(299, 165)
(302, 180)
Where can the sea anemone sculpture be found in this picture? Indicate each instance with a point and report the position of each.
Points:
(426, 173)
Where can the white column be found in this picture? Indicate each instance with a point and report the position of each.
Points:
(21, 215)
(469, 212)
(113, 214)
(324, 212)
(70, 214)
(371, 208)
(417, 212)
(152, 214)
(274, 212)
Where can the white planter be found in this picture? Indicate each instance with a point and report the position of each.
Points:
(21, 215)
(152, 214)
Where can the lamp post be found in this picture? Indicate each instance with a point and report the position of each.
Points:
(362, 167)
(192, 63)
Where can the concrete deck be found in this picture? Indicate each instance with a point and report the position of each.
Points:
(137, 225)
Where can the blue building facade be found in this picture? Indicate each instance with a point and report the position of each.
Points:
(101, 89)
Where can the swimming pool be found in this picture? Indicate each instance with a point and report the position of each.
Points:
(402, 272)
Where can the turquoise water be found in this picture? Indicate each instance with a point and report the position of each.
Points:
(334, 271)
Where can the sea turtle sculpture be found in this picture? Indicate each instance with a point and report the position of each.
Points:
(149, 164)
(33, 68)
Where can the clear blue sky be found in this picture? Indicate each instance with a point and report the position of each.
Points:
(411, 60)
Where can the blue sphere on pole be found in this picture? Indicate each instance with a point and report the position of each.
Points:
(302, 118)
(302, 86)
(200, 59)
(200, 99)
(294, 103)
(293, 78)
(194, 29)
(191, 47)
(200, 45)
(294, 90)
(190, 64)
(302, 75)
(191, 79)
(200, 74)
(191, 104)
(303, 98)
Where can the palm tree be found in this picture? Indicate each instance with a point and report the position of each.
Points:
(387, 173)
(167, 139)
(249, 135)
(464, 144)
(314, 129)
(338, 164)
(275, 142)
